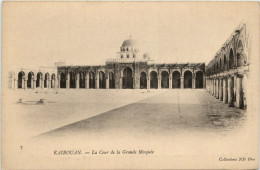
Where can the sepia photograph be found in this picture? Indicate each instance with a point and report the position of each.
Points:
(130, 85)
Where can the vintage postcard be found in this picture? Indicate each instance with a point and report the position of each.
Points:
(130, 85)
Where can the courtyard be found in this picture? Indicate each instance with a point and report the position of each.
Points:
(119, 112)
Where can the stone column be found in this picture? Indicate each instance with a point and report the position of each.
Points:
(15, 84)
(77, 81)
(159, 82)
(148, 82)
(32, 87)
(225, 92)
(22, 82)
(67, 81)
(220, 89)
(107, 82)
(87, 81)
(213, 93)
(239, 93)
(34, 84)
(170, 82)
(120, 82)
(54, 83)
(58, 85)
(212, 86)
(230, 92)
(217, 88)
(182, 82)
(204, 81)
(97, 80)
(49, 84)
(193, 81)
(42, 83)
(25, 83)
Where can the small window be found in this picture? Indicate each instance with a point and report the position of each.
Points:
(122, 56)
(127, 55)
(133, 55)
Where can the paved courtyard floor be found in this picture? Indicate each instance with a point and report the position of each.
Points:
(164, 113)
(118, 112)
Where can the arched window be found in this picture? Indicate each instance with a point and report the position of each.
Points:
(122, 56)
(127, 55)
(133, 55)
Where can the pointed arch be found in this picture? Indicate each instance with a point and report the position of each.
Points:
(72, 80)
(30, 79)
(102, 80)
(176, 79)
(127, 78)
(153, 80)
(199, 80)
(82, 76)
(21, 77)
(165, 79)
(53, 77)
(91, 80)
(46, 80)
(187, 79)
(62, 80)
(143, 80)
(39, 79)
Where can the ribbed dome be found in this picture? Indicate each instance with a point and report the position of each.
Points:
(129, 42)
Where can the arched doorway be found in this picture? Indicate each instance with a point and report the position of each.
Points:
(153, 80)
(143, 81)
(102, 80)
(176, 80)
(53, 80)
(30, 80)
(46, 80)
(39, 80)
(199, 80)
(111, 80)
(127, 78)
(231, 59)
(91, 80)
(20, 82)
(165, 80)
(72, 80)
(62, 80)
(187, 79)
(81, 80)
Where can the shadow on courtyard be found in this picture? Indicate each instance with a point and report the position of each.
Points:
(170, 112)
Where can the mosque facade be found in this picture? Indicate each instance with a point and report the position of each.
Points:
(129, 70)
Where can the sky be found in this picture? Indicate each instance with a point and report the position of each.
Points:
(88, 33)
